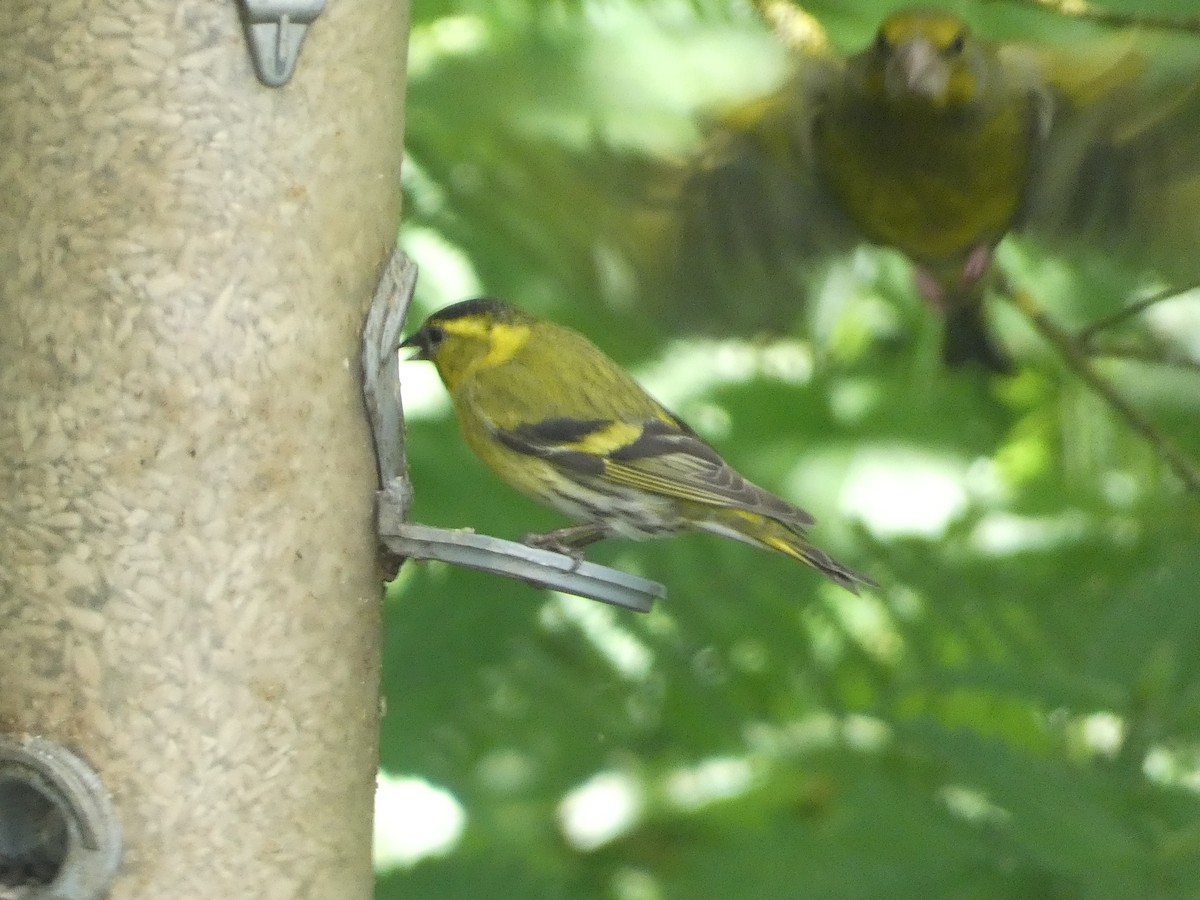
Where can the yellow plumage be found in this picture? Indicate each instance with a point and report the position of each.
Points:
(938, 143)
(553, 416)
(927, 145)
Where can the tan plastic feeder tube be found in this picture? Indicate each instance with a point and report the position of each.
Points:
(189, 587)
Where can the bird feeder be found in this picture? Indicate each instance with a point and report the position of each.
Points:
(189, 576)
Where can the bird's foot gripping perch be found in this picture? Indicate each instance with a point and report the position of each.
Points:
(568, 541)
(558, 564)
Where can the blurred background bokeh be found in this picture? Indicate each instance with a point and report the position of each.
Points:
(1015, 713)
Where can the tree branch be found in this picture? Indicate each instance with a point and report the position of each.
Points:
(1085, 335)
(1081, 9)
(1153, 355)
(1077, 360)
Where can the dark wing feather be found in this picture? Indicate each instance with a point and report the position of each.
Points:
(1120, 169)
(660, 438)
(551, 439)
(657, 456)
(753, 217)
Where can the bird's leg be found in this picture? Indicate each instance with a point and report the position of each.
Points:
(930, 289)
(977, 264)
(940, 293)
(568, 541)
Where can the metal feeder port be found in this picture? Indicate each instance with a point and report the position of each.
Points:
(59, 834)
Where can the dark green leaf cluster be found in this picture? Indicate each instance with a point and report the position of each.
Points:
(1015, 714)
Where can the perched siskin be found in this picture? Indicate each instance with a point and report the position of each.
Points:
(937, 143)
(560, 421)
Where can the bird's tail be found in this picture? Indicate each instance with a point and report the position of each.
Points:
(770, 534)
(967, 339)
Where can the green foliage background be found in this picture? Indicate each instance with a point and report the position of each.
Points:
(934, 739)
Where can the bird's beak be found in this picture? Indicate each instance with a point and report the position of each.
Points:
(917, 68)
(419, 342)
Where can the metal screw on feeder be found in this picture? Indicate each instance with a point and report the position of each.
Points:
(59, 834)
(381, 390)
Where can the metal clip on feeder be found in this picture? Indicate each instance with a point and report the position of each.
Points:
(381, 388)
(275, 30)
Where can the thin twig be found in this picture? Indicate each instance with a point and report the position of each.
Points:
(1086, 334)
(1077, 360)
(1080, 9)
(1152, 355)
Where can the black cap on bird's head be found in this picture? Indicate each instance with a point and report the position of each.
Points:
(430, 335)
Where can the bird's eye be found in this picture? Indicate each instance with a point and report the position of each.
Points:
(956, 45)
(434, 335)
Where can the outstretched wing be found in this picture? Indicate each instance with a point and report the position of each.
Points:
(751, 215)
(656, 456)
(1119, 171)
